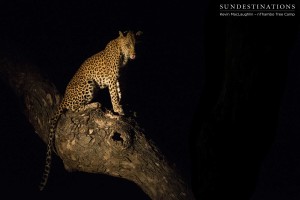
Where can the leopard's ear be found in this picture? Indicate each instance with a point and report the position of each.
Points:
(138, 36)
(121, 34)
(139, 33)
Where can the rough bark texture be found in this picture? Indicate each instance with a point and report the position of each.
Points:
(95, 141)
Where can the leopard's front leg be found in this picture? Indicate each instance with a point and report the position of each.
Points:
(118, 90)
(115, 96)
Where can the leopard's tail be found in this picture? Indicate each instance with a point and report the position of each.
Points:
(53, 124)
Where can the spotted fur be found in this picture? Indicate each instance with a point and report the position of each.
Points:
(100, 70)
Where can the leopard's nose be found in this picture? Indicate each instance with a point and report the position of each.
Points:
(132, 56)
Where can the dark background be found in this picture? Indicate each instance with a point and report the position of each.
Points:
(244, 142)
(173, 86)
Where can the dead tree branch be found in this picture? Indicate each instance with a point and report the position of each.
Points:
(94, 141)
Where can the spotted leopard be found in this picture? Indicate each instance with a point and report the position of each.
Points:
(100, 70)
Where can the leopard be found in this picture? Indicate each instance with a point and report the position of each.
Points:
(101, 70)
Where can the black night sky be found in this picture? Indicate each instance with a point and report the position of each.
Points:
(172, 86)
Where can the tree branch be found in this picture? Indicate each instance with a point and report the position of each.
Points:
(92, 140)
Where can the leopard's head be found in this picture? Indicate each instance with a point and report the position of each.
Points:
(127, 42)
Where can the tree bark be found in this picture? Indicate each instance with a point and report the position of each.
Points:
(92, 140)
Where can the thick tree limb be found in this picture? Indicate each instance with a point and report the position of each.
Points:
(95, 141)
